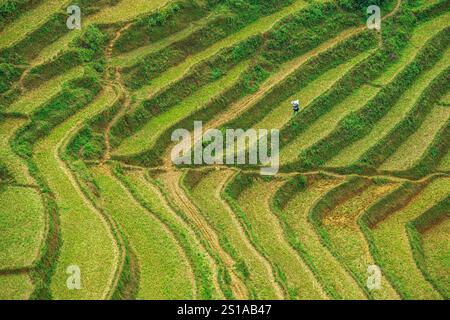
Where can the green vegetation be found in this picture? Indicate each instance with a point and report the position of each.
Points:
(16, 167)
(339, 229)
(431, 248)
(380, 114)
(252, 202)
(36, 97)
(293, 203)
(252, 266)
(151, 198)
(164, 271)
(393, 249)
(86, 178)
(82, 227)
(149, 134)
(15, 287)
(416, 145)
(23, 227)
(30, 19)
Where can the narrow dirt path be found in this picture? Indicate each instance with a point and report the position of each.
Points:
(171, 179)
(172, 175)
(118, 80)
(188, 229)
(125, 105)
(22, 79)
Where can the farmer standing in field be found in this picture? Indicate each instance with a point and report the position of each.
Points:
(296, 106)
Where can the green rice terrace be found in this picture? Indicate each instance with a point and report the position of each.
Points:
(93, 205)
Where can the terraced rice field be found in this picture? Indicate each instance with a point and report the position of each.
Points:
(436, 254)
(91, 196)
(352, 153)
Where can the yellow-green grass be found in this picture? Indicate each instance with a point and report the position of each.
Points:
(15, 287)
(403, 106)
(327, 122)
(423, 4)
(419, 38)
(261, 25)
(436, 250)
(133, 57)
(411, 151)
(22, 227)
(446, 99)
(329, 270)
(15, 165)
(268, 234)
(159, 207)
(394, 249)
(164, 272)
(445, 163)
(207, 196)
(29, 21)
(126, 10)
(87, 239)
(348, 242)
(123, 11)
(31, 100)
(281, 114)
(145, 138)
(58, 46)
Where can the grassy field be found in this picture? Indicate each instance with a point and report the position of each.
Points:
(34, 98)
(349, 244)
(255, 269)
(259, 26)
(411, 151)
(392, 243)
(325, 124)
(29, 21)
(296, 221)
(133, 57)
(154, 201)
(446, 100)
(436, 251)
(82, 227)
(122, 11)
(86, 177)
(15, 165)
(445, 164)
(353, 152)
(420, 36)
(164, 272)
(268, 235)
(15, 287)
(145, 138)
(23, 227)
(281, 114)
